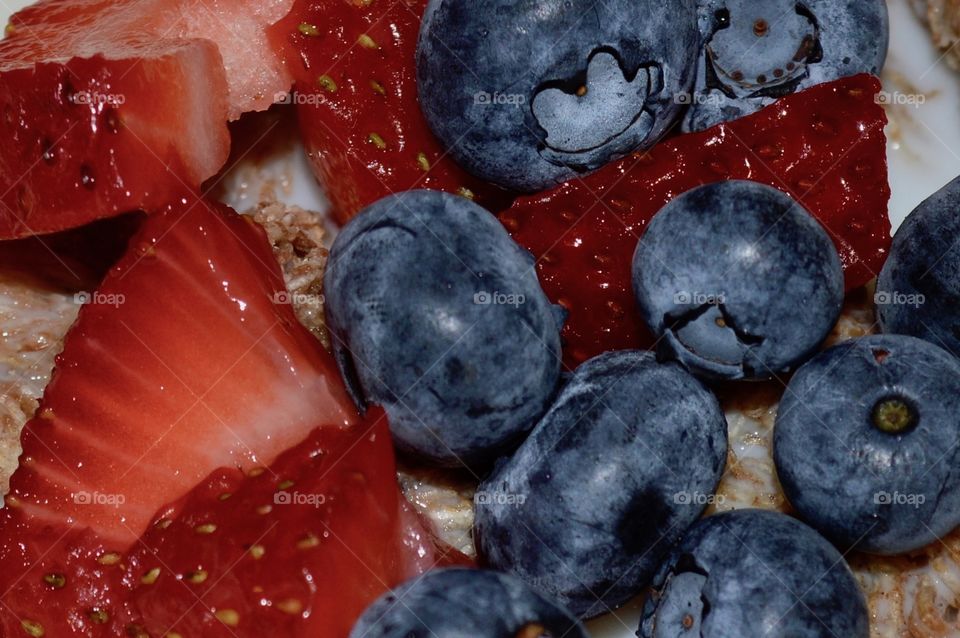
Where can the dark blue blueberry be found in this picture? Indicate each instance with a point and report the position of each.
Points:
(624, 461)
(754, 574)
(867, 443)
(918, 292)
(437, 315)
(757, 51)
(465, 603)
(529, 94)
(738, 280)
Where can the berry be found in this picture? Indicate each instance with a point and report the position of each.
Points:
(530, 94)
(918, 292)
(437, 315)
(754, 574)
(185, 360)
(584, 233)
(627, 458)
(299, 550)
(465, 602)
(865, 443)
(757, 51)
(737, 281)
(111, 107)
(356, 100)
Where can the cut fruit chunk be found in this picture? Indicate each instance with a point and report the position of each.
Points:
(110, 107)
(825, 147)
(169, 453)
(188, 358)
(54, 30)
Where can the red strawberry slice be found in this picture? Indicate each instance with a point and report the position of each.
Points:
(825, 147)
(299, 550)
(50, 30)
(187, 360)
(108, 107)
(356, 91)
(183, 362)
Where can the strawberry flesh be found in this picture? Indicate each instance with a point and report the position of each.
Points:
(182, 363)
(187, 377)
(307, 567)
(356, 92)
(110, 107)
(825, 147)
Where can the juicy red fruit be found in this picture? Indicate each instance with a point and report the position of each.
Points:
(183, 362)
(298, 550)
(825, 147)
(356, 92)
(93, 138)
(109, 107)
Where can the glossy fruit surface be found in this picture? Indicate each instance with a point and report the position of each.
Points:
(737, 281)
(356, 98)
(754, 573)
(865, 440)
(584, 233)
(627, 458)
(530, 94)
(918, 292)
(436, 314)
(757, 51)
(465, 602)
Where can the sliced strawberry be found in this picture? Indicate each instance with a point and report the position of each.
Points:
(188, 359)
(183, 362)
(825, 147)
(300, 550)
(109, 107)
(353, 61)
(255, 72)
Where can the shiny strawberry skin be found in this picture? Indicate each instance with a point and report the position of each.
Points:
(299, 550)
(357, 103)
(825, 147)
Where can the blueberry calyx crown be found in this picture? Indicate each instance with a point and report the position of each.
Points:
(894, 415)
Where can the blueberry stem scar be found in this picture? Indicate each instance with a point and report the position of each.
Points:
(894, 416)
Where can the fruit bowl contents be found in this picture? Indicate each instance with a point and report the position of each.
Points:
(591, 321)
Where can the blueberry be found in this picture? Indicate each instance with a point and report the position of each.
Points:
(530, 94)
(753, 574)
(918, 292)
(867, 443)
(465, 603)
(759, 50)
(738, 280)
(624, 461)
(437, 315)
